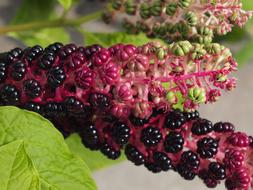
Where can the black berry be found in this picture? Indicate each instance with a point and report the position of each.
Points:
(162, 160)
(202, 127)
(174, 120)
(47, 60)
(217, 171)
(18, 70)
(120, 133)
(56, 76)
(90, 137)
(223, 127)
(99, 101)
(138, 121)
(207, 147)
(134, 155)
(173, 142)
(32, 88)
(110, 152)
(151, 136)
(9, 95)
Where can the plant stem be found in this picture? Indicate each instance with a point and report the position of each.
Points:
(61, 22)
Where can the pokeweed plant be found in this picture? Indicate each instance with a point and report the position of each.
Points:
(138, 98)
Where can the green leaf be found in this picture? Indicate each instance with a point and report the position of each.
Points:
(32, 11)
(43, 37)
(109, 39)
(244, 55)
(94, 159)
(17, 169)
(65, 3)
(57, 167)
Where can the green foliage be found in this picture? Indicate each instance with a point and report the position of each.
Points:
(34, 153)
(33, 11)
(94, 159)
(17, 169)
(65, 3)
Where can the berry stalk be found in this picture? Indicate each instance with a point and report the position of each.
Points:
(171, 20)
(122, 97)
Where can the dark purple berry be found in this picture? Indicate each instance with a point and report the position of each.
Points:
(207, 147)
(110, 152)
(90, 137)
(18, 70)
(55, 47)
(54, 109)
(189, 116)
(33, 106)
(33, 53)
(153, 167)
(202, 127)
(32, 88)
(190, 160)
(99, 101)
(90, 50)
(3, 71)
(223, 127)
(217, 171)
(174, 120)
(138, 121)
(173, 142)
(134, 155)
(120, 133)
(151, 136)
(47, 60)
(162, 160)
(56, 76)
(186, 173)
(9, 95)
(67, 50)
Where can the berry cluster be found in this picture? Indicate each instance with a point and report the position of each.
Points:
(171, 20)
(122, 97)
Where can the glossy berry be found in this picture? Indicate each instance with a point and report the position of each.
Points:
(90, 137)
(33, 106)
(162, 160)
(240, 179)
(54, 109)
(173, 142)
(13, 54)
(55, 47)
(47, 60)
(217, 170)
(191, 115)
(233, 159)
(3, 71)
(153, 167)
(75, 107)
(110, 152)
(207, 147)
(190, 160)
(202, 127)
(151, 136)
(9, 95)
(18, 70)
(186, 173)
(56, 76)
(174, 120)
(134, 155)
(120, 133)
(90, 50)
(138, 121)
(32, 88)
(99, 101)
(239, 139)
(223, 127)
(33, 53)
(67, 50)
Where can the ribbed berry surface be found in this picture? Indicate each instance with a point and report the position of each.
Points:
(115, 99)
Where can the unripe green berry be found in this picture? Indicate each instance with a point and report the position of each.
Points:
(213, 48)
(156, 8)
(184, 3)
(145, 11)
(181, 48)
(117, 4)
(198, 52)
(171, 9)
(171, 97)
(130, 7)
(197, 95)
(161, 53)
(191, 18)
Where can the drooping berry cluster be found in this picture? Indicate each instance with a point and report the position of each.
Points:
(171, 20)
(122, 98)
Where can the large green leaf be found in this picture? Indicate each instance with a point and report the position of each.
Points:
(32, 11)
(57, 168)
(108, 39)
(17, 169)
(94, 159)
(65, 3)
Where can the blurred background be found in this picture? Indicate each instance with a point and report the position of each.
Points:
(236, 106)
